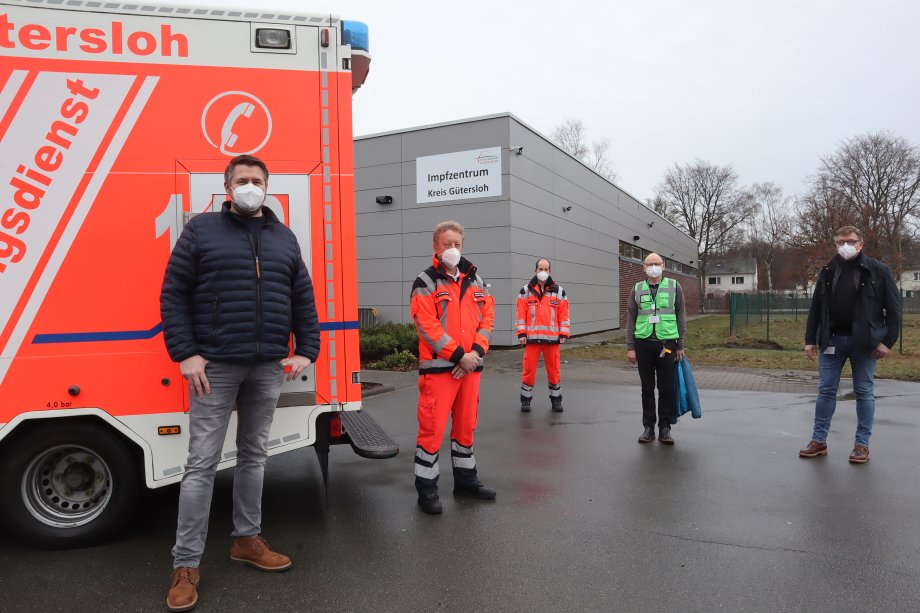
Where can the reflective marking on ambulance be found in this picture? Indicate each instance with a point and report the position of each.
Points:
(58, 166)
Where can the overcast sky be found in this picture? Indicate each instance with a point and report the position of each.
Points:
(767, 86)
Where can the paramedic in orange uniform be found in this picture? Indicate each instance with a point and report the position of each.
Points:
(542, 324)
(453, 312)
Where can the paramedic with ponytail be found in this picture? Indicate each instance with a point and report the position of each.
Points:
(656, 325)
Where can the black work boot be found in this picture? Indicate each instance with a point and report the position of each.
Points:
(664, 435)
(525, 404)
(556, 401)
(648, 435)
(430, 503)
(475, 489)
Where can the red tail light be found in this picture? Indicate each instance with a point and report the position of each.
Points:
(335, 426)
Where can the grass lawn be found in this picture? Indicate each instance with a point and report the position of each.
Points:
(709, 344)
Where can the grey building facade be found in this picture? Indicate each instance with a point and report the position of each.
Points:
(550, 205)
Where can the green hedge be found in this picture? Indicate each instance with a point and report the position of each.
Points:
(391, 339)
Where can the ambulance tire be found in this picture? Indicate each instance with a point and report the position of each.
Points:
(42, 472)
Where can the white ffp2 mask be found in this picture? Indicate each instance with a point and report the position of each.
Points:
(249, 197)
(847, 251)
(653, 271)
(542, 276)
(451, 257)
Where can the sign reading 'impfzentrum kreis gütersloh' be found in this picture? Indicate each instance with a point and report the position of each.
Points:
(460, 175)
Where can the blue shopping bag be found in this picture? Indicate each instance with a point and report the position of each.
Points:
(686, 397)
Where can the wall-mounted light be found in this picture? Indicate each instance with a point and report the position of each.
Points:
(384, 199)
(519, 150)
(636, 237)
(566, 209)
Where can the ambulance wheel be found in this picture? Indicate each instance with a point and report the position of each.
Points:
(67, 484)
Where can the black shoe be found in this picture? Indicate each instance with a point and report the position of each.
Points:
(664, 435)
(648, 435)
(525, 405)
(430, 503)
(476, 490)
(557, 404)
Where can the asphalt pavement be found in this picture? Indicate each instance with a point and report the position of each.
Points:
(586, 519)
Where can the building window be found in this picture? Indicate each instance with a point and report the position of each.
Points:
(917, 276)
(714, 280)
(737, 280)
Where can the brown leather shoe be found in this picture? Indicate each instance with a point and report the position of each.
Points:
(254, 551)
(860, 455)
(183, 591)
(648, 435)
(813, 449)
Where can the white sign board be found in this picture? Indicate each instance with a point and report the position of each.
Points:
(459, 176)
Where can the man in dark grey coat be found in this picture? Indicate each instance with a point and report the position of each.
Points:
(235, 289)
(855, 314)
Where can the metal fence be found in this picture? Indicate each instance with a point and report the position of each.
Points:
(766, 307)
(756, 313)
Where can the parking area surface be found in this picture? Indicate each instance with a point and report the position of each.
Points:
(586, 519)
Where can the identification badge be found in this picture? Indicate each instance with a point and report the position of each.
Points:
(654, 319)
(830, 350)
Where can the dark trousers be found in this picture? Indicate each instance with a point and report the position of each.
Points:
(654, 368)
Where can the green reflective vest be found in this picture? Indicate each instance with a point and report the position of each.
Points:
(662, 306)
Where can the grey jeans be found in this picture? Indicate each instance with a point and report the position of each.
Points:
(255, 389)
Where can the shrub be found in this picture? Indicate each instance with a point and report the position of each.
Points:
(403, 360)
(380, 341)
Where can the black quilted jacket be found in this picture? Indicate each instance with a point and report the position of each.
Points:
(218, 303)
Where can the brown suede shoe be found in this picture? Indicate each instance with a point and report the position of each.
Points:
(254, 551)
(860, 455)
(813, 449)
(183, 591)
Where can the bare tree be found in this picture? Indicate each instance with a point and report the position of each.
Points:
(770, 225)
(872, 181)
(706, 202)
(571, 137)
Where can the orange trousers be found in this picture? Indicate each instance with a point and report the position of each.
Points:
(441, 396)
(532, 353)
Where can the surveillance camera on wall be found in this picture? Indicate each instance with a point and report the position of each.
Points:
(519, 150)
(566, 209)
(384, 199)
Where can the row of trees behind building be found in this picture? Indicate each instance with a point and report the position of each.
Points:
(871, 181)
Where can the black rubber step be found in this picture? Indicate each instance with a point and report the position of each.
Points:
(366, 436)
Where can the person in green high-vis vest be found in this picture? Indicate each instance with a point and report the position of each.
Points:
(656, 325)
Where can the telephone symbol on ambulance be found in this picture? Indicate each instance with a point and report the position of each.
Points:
(236, 122)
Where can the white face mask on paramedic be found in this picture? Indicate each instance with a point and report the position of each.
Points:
(249, 197)
(451, 257)
(847, 251)
(653, 271)
(542, 276)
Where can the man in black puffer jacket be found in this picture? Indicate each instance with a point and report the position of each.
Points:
(236, 287)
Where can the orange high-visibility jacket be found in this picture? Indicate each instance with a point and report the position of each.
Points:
(543, 317)
(452, 317)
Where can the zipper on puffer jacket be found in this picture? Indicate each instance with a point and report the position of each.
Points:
(255, 254)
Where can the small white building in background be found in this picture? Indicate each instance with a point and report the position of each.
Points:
(910, 282)
(731, 275)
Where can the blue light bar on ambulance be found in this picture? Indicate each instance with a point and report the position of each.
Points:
(354, 33)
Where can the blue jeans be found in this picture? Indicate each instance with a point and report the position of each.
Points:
(829, 367)
(253, 389)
